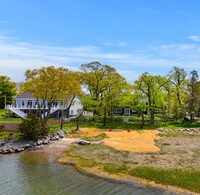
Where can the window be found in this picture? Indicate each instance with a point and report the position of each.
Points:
(72, 112)
(22, 103)
(117, 110)
(127, 111)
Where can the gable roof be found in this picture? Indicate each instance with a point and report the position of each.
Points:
(26, 95)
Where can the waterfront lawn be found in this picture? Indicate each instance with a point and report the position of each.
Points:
(4, 118)
(71, 126)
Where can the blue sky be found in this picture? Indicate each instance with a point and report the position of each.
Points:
(134, 36)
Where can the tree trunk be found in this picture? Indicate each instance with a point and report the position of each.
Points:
(77, 120)
(68, 108)
(152, 117)
(143, 121)
(61, 123)
(105, 117)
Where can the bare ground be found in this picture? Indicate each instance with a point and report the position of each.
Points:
(152, 148)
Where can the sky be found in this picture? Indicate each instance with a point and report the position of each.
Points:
(133, 36)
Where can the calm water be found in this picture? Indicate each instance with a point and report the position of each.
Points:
(37, 173)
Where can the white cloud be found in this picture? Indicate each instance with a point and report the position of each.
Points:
(194, 38)
(16, 57)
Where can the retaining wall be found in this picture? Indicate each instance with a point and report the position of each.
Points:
(10, 126)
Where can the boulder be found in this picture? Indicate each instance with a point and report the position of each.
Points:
(83, 142)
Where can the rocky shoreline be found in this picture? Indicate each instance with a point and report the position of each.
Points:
(9, 146)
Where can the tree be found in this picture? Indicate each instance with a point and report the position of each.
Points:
(177, 77)
(193, 94)
(7, 91)
(151, 89)
(31, 128)
(104, 85)
(49, 84)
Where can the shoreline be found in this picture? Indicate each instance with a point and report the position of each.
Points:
(58, 148)
(122, 177)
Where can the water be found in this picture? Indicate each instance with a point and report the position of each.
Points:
(35, 173)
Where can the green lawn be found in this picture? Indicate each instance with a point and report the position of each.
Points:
(3, 112)
(128, 125)
(5, 135)
(114, 125)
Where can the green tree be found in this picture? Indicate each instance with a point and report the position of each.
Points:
(104, 85)
(193, 99)
(7, 91)
(49, 84)
(151, 88)
(31, 128)
(177, 77)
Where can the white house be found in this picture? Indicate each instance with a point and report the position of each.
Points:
(26, 104)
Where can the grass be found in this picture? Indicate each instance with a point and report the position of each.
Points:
(7, 119)
(5, 135)
(189, 180)
(115, 125)
(70, 126)
(95, 138)
(115, 169)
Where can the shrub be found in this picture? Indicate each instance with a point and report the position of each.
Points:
(31, 128)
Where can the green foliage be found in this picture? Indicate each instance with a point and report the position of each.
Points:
(31, 128)
(178, 81)
(7, 91)
(104, 85)
(150, 87)
(49, 84)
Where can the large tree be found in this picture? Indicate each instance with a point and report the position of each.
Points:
(49, 84)
(104, 85)
(7, 91)
(178, 80)
(151, 88)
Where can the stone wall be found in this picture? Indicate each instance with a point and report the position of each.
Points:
(10, 126)
(13, 126)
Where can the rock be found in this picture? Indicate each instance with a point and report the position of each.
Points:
(39, 142)
(4, 150)
(60, 133)
(3, 143)
(46, 141)
(26, 146)
(83, 142)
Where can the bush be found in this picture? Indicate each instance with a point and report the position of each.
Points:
(31, 128)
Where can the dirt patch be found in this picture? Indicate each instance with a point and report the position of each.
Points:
(133, 141)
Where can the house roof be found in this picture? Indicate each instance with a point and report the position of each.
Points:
(26, 95)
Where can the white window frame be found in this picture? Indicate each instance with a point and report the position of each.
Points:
(127, 111)
(118, 110)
